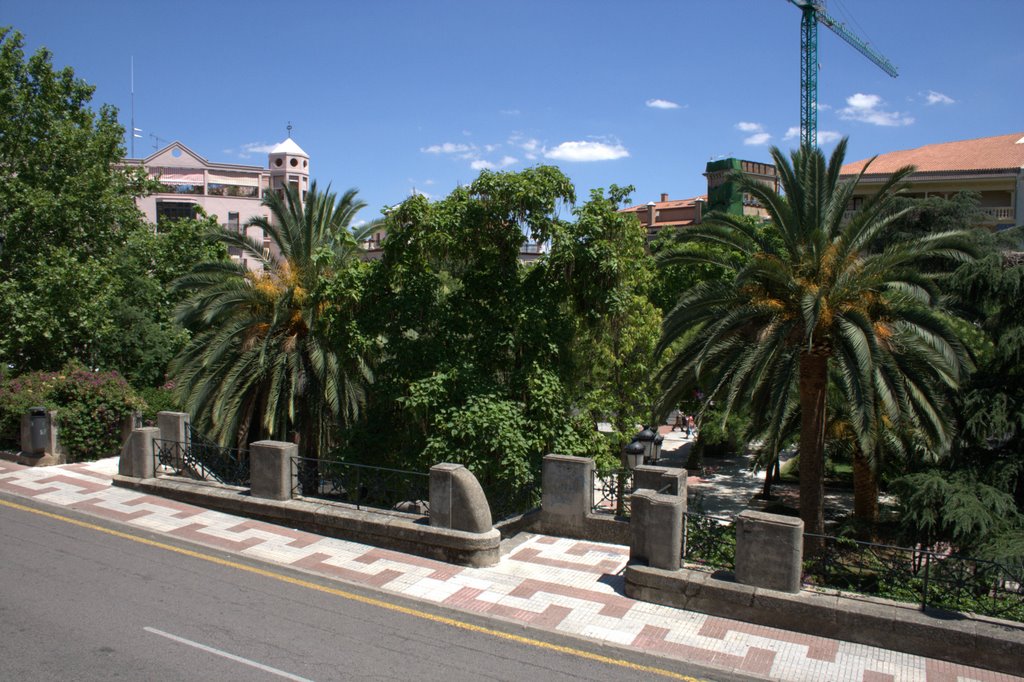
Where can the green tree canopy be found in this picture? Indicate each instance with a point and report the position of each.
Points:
(807, 294)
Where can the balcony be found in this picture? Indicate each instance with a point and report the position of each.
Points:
(1000, 213)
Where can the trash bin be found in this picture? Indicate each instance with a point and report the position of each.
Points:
(39, 426)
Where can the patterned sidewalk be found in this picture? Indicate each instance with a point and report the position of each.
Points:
(568, 586)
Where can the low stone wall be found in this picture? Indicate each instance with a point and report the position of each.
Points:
(402, 532)
(966, 639)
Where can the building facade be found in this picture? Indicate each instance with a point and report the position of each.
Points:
(232, 193)
(991, 166)
(723, 195)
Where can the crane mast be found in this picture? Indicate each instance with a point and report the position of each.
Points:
(812, 13)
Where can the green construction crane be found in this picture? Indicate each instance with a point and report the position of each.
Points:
(813, 14)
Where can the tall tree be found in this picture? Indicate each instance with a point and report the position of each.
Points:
(807, 294)
(260, 363)
(66, 209)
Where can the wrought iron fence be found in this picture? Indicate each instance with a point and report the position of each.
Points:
(924, 577)
(202, 459)
(506, 500)
(361, 485)
(612, 492)
(709, 540)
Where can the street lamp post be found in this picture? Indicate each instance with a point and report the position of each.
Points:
(632, 457)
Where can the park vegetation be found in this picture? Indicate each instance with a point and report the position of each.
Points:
(889, 345)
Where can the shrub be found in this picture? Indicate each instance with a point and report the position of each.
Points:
(91, 407)
(17, 395)
(159, 399)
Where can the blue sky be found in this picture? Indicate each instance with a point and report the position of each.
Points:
(392, 95)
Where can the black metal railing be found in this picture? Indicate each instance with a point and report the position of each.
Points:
(511, 500)
(709, 541)
(929, 578)
(361, 485)
(203, 460)
(612, 492)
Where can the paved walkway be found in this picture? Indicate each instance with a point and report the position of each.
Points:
(567, 586)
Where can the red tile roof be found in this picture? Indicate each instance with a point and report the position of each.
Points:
(660, 205)
(984, 153)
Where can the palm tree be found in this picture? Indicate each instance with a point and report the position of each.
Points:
(807, 294)
(262, 361)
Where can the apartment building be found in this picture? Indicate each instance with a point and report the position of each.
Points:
(231, 192)
(991, 166)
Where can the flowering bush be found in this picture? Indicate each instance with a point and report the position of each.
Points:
(91, 407)
(17, 395)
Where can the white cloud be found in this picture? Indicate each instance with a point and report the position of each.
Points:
(258, 147)
(865, 108)
(748, 127)
(491, 147)
(661, 104)
(507, 161)
(509, 112)
(757, 139)
(480, 164)
(824, 136)
(581, 151)
(448, 148)
(938, 98)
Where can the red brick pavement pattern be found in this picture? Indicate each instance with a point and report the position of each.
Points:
(818, 648)
(757, 661)
(318, 562)
(441, 570)
(872, 676)
(612, 605)
(531, 555)
(584, 548)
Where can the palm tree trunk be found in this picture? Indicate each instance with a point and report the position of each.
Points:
(865, 488)
(813, 379)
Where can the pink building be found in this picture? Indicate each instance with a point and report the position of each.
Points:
(230, 192)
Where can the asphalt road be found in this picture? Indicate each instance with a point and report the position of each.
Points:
(81, 603)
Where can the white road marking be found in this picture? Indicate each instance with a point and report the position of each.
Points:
(218, 652)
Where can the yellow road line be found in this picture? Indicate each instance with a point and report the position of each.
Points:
(370, 601)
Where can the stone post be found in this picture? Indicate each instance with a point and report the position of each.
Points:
(664, 480)
(137, 454)
(173, 426)
(457, 501)
(656, 529)
(271, 475)
(769, 550)
(567, 494)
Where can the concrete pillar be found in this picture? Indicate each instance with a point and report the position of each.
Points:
(173, 426)
(271, 474)
(567, 493)
(137, 454)
(664, 480)
(656, 529)
(769, 550)
(457, 501)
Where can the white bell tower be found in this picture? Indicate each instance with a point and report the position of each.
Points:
(289, 165)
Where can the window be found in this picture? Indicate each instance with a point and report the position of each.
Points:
(233, 224)
(173, 210)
